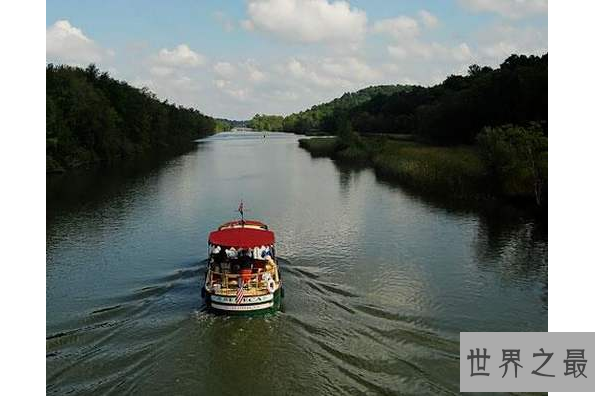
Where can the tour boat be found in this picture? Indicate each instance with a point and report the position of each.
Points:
(242, 274)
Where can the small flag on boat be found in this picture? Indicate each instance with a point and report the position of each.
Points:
(241, 211)
(240, 292)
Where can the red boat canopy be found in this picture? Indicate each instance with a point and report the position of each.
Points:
(246, 222)
(241, 237)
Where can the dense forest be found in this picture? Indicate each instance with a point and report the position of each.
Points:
(228, 125)
(483, 135)
(93, 118)
(323, 117)
(327, 117)
(452, 112)
(263, 122)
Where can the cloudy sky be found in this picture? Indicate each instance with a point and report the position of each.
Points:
(234, 59)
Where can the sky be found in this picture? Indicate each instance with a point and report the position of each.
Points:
(234, 59)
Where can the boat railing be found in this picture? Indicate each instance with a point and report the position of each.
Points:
(229, 281)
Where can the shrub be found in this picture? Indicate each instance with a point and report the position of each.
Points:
(515, 158)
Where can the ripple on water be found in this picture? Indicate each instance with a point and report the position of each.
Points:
(378, 283)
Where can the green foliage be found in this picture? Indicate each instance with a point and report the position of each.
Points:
(326, 116)
(346, 135)
(319, 147)
(228, 125)
(91, 118)
(515, 93)
(449, 171)
(508, 162)
(449, 113)
(516, 160)
(222, 125)
(263, 122)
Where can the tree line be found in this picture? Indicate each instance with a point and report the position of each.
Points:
(452, 112)
(323, 117)
(93, 118)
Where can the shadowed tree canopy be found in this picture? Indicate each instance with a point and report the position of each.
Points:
(452, 112)
(92, 118)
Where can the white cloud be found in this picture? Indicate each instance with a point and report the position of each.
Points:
(331, 72)
(161, 71)
(173, 73)
(283, 95)
(407, 44)
(67, 44)
(183, 82)
(499, 41)
(431, 51)
(307, 21)
(399, 28)
(291, 79)
(305, 74)
(180, 56)
(240, 94)
(462, 52)
(508, 8)
(238, 81)
(253, 72)
(220, 83)
(428, 19)
(349, 69)
(224, 69)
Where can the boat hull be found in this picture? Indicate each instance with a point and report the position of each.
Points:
(249, 305)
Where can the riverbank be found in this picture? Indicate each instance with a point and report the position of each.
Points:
(91, 162)
(458, 172)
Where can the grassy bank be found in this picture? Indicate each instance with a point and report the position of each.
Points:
(455, 171)
(319, 147)
(459, 172)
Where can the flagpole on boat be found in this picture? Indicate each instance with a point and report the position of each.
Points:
(241, 211)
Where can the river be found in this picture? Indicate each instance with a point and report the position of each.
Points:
(379, 281)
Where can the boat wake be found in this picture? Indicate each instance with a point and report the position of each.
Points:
(354, 346)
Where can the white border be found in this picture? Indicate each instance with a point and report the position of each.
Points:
(23, 173)
(574, 192)
(574, 149)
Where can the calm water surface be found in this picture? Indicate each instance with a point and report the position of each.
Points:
(379, 282)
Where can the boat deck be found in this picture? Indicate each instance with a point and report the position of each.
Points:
(254, 284)
(247, 291)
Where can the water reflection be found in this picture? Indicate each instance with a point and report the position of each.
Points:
(508, 240)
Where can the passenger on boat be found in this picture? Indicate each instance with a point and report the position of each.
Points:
(231, 253)
(245, 262)
(219, 254)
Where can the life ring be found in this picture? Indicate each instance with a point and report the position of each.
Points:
(271, 285)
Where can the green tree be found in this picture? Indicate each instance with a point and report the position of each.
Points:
(92, 118)
(516, 155)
